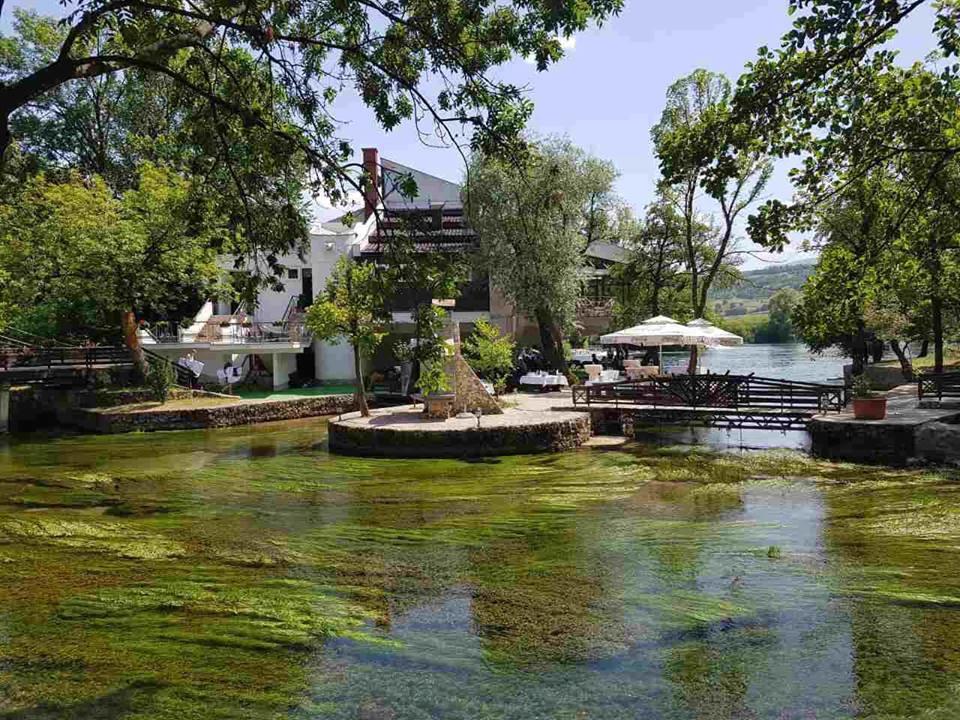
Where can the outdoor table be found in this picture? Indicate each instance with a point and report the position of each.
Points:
(544, 381)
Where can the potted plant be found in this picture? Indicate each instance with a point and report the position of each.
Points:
(867, 405)
(434, 386)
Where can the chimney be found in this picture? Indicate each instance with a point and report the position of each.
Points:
(371, 168)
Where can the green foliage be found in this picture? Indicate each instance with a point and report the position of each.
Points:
(351, 307)
(704, 149)
(303, 55)
(489, 352)
(160, 378)
(533, 221)
(250, 179)
(77, 255)
(861, 387)
(433, 377)
(653, 280)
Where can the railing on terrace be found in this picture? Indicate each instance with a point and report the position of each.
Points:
(233, 333)
(61, 357)
(736, 392)
(938, 386)
(593, 307)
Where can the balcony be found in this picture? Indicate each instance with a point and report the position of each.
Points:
(228, 332)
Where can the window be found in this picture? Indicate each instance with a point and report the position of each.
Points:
(293, 273)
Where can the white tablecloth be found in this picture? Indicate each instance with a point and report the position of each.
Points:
(544, 380)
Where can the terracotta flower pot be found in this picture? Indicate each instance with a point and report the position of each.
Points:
(872, 408)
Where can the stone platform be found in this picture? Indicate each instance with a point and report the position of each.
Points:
(405, 432)
(891, 441)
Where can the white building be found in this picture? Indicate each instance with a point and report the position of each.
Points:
(271, 340)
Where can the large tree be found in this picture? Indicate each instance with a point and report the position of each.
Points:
(533, 221)
(652, 281)
(418, 60)
(77, 256)
(702, 152)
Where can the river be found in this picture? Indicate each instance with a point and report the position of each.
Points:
(788, 361)
(247, 573)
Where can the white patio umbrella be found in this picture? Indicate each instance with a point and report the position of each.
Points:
(659, 330)
(703, 332)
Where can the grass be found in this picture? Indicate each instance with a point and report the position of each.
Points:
(951, 359)
(296, 392)
(191, 403)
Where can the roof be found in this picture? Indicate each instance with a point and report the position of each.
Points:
(606, 251)
(431, 189)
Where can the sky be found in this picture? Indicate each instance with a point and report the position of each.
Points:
(609, 89)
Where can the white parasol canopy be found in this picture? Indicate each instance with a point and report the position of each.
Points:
(659, 330)
(703, 332)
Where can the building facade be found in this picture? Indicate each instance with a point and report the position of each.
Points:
(271, 341)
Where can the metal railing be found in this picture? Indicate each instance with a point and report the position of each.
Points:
(716, 391)
(233, 332)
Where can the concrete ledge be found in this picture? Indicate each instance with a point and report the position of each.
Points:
(406, 433)
(938, 442)
(242, 413)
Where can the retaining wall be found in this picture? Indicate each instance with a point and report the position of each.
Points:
(105, 421)
(551, 436)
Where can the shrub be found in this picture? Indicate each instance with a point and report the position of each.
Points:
(489, 352)
(433, 377)
(161, 377)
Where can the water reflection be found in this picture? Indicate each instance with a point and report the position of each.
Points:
(244, 574)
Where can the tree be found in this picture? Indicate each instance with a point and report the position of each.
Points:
(109, 125)
(834, 96)
(351, 307)
(80, 257)
(779, 325)
(652, 281)
(532, 222)
(406, 60)
(693, 142)
(489, 353)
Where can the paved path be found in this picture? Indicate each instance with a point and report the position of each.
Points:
(520, 411)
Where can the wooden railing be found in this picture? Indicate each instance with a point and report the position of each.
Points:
(716, 391)
(938, 385)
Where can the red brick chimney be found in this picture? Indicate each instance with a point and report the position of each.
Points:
(371, 167)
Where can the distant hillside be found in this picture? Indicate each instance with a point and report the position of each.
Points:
(751, 294)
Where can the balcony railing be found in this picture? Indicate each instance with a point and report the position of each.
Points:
(590, 307)
(232, 333)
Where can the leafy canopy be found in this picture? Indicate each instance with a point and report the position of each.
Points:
(77, 256)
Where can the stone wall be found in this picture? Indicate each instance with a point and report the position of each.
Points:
(105, 421)
(552, 436)
(938, 442)
(880, 443)
(470, 391)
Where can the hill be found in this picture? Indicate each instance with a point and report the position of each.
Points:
(752, 293)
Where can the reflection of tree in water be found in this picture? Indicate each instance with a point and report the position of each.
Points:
(902, 580)
(584, 587)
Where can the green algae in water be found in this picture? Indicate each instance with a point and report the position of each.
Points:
(246, 573)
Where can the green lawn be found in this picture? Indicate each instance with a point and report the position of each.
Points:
(951, 358)
(295, 392)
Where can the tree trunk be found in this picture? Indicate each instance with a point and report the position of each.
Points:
(694, 358)
(551, 340)
(361, 390)
(905, 365)
(924, 347)
(936, 307)
(128, 323)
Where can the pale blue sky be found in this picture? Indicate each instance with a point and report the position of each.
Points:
(608, 91)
